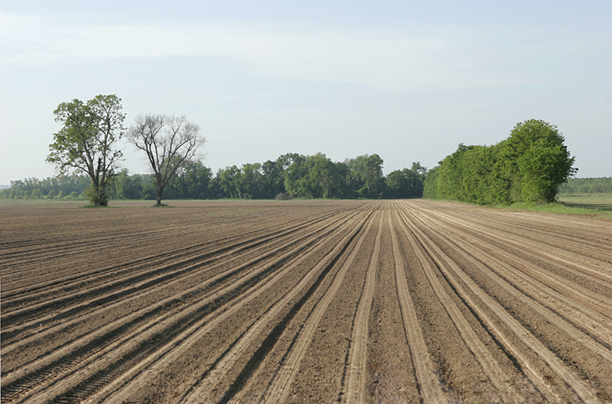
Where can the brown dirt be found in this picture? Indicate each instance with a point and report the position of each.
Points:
(303, 302)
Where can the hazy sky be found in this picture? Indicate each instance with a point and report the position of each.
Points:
(409, 80)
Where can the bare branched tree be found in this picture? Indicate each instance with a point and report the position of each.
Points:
(169, 142)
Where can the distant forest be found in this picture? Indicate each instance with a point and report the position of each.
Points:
(587, 186)
(290, 176)
(531, 165)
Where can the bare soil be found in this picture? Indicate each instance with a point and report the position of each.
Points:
(304, 302)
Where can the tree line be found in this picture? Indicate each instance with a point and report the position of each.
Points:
(587, 186)
(529, 166)
(290, 176)
(85, 151)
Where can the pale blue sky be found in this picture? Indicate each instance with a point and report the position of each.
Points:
(409, 80)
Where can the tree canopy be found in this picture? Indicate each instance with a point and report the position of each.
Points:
(601, 185)
(529, 166)
(87, 141)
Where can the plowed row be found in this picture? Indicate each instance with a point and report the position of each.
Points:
(275, 302)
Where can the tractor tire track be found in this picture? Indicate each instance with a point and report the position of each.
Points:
(355, 379)
(453, 273)
(430, 389)
(207, 386)
(304, 301)
(279, 388)
(53, 362)
(485, 358)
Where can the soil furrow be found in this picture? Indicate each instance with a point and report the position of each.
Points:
(206, 388)
(430, 389)
(355, 378)
(452, 271)
(219, 245)
(572, 262)
(566, 314)
(304, 302)
(489, 364)
(105, 335)
(120, 390)
(555, 276)
(118, 290)
(280, 387)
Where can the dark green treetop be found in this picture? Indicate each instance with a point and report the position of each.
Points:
(87, 141)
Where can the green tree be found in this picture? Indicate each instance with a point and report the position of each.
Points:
(193, 181)
(529, 166)
(127, 186)
(273, 179)
(228, 180)
(450, 175)
(366, 176)
(297, 175)
(405, 183)
(535, 161)
(543, 170)
(251, 181)
(87, 141)
(326, 176)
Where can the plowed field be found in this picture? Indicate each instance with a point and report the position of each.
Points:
(308, 302)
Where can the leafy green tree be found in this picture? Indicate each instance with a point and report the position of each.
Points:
(87, 141)
(326, 176)
(405, 183)
(529, 166)
(251, 181)
(366, 176)
(195, 178)
(297, 175)
(229, 182)
(127, 186)
(214, 188)
(450, 175)
(537, 160)
(273, 179)
(543, 170)
(36, 194)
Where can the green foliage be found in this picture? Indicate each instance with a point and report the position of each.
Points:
(297, 175)
(273, 179)
(293, 175)
(587, 186)
(405, 183)
(86, 142)
(192, 181)
(48, 188)
(529, 166)
(366, 179)
(126, 186)
(430, 185)
(537, 161)
(229, 182)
